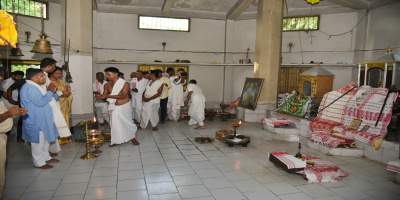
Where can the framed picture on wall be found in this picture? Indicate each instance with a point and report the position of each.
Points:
(250, 93)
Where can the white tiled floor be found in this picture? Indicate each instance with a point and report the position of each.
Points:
(170, 165)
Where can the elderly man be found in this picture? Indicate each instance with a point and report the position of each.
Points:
(39, 127)
(100, 105)
(116, 92)
(151, 99)
(196, 109)
(164, 96)
(6, 124)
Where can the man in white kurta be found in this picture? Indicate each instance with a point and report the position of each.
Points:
(198, 102)
(100, 105)
(151, 99)
(48, 65)
(117, 94)
(175, 96)
(138, 85)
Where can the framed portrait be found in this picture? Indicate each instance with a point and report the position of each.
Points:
(355, 124)
(250, 93)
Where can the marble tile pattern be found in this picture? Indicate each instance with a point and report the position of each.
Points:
(169, 164)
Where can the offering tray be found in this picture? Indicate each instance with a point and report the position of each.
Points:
(94, 132)
(232, 139)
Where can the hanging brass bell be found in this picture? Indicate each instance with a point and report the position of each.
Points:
(42, 45)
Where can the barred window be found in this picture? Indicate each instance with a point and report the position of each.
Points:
(24, 7)
(164, 23)
(306, 23)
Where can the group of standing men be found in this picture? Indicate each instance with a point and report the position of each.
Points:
(42, 119)
(160, 92)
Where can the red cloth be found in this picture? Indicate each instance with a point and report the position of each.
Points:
(322, 171)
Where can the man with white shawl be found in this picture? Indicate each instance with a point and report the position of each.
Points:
(38, 126)
(175, 96)
(151, 99)
(138, 85)
(198, 102)
(48, 65)
(117, 94)
(100, 105)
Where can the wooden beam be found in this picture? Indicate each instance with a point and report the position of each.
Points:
(166, 6)
(350, 4)
(237, 9)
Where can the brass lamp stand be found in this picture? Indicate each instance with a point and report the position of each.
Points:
(88, 155)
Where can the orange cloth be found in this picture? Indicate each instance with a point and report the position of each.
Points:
(8, 33)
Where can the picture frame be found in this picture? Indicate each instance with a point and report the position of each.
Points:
(250, 93)
(355, 124)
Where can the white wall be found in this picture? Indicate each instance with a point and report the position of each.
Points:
(52, 29)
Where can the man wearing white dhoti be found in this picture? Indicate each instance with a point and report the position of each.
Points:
(48, 65)
(117, 94)
(175, 95)
(100, 105)
(38, 126)
(151, 99)
(138, 85)
(198, 102)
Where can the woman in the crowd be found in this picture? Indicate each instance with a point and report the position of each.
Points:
(65, 99)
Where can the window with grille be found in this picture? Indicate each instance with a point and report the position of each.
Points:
(164, 23)
(22, 65)
(25, 7)
(307, 23)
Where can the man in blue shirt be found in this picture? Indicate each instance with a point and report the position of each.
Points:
(38, 125)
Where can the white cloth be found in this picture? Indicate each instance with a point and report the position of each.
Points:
(137, 103)
(119, 84)
(4, 85)
(150, 113)
(99, 87)
(198, 103)
(122, 127)
(175, 99)
(40, 151)
(152, 89)
(101, 105)
(59, 119)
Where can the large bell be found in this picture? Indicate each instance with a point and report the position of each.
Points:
(16, 51)
(42, 45)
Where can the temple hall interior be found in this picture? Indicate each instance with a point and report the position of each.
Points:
(302, 98)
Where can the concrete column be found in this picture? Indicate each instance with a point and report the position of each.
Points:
(77, 18)
(267, 56)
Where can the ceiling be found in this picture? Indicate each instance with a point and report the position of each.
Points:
(229, 9)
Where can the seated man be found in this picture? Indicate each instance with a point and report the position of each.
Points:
(196, 108)
(39, 127)
(100, 105)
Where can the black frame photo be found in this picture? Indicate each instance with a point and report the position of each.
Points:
(250, 93)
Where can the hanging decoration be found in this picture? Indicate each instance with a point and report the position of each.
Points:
(8, 32)
(313, 1)
(42, 45)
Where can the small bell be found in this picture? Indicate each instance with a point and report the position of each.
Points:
(16, 51)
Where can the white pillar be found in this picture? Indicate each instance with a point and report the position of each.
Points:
(384, 76)
(393, 75)
(359, 75)
(365, 75)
